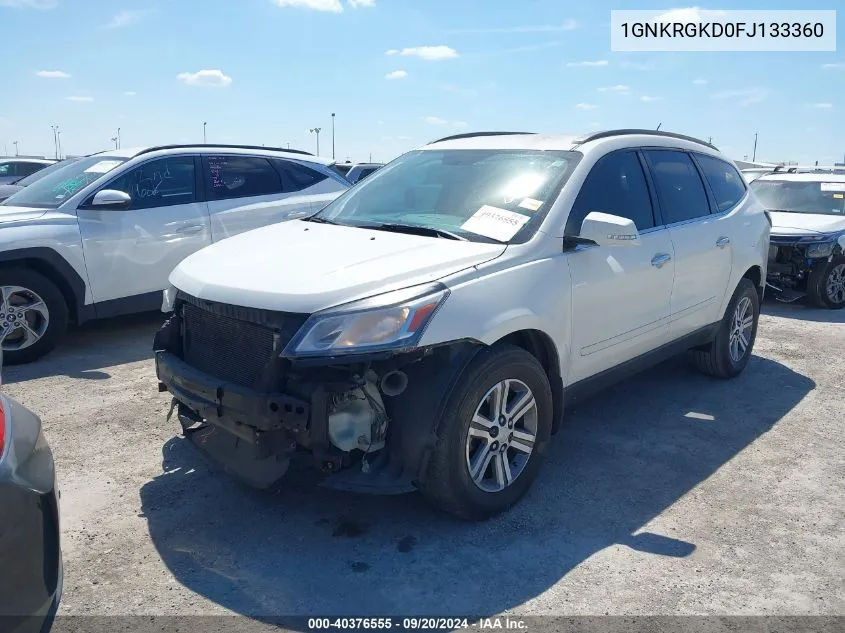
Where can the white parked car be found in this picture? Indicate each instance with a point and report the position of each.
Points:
(425, 329)
(100, 236)
(807, 254)
(13, 169)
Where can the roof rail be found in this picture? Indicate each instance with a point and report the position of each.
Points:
(455, 137)
(218, 146)
(794, 169)
(609, 133)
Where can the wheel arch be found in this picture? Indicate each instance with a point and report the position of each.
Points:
(755, 275)
(54, 267)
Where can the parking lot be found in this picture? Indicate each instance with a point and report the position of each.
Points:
(670, 493)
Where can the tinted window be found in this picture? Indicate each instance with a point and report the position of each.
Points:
(679, 187)
(159, 183)
(615, 185)
(27, 169)
(724, 180)
(7, 169)
(296, 177)
(240, 177)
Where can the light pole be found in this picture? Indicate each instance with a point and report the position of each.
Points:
(332, 136)
(114, 140)
(55, 129)
(754, 157)
(59, 137)
(118, 138)
(316, 130)
(204, 123)
(15, 143)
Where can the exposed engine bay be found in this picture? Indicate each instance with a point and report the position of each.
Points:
(791, 261)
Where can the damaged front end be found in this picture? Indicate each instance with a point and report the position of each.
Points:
(792, 258)
(366, 421)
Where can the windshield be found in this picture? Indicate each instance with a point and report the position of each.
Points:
(53, 189)
(480, 195)
(796, 196)
(25, 182)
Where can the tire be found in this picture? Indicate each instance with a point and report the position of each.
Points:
(447, 483)
(717, 359)
(19, 288)
(826, 285)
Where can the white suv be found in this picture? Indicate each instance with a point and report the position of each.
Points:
(100, 236)
(425, 329)
(807, 253)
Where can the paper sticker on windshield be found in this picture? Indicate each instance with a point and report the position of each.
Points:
(839, 196)
(500, 224)
(531, 204)
(103, 166)
(833, 186)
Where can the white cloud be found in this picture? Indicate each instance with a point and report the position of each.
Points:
(332, 6)
(688, 15)
(699, 82)
(835, 65)
(124, 18)
(588, 64)
(744, 97)
(361, 3)
(435, 120)
(821, 106)
(29, 4)
(650, 99)
(53, 74)
(129, 93)
(80, 99)
(430, 53)
(396, 74)
(586, 106)
(617, 88)
(568, 25)
(206, 78)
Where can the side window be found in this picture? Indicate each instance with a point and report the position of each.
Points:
(7, 169)
(615, 185)
(296, 177)
(725, 181)
(27, 169)
(679, 187)
(241, 177)
(159, 183)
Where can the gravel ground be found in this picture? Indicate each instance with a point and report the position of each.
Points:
(671, 493)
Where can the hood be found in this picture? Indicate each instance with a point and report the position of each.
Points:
(8, 190)
(784, 223)
(19, 214)
(304, 267)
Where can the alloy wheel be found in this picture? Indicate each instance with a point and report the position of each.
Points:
(501, 435)
(741, 328)
(24, 318)
(836, 284)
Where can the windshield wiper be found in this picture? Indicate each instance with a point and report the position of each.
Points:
(314, 218)
(416, 229)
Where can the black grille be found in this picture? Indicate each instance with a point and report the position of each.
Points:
(227, 348)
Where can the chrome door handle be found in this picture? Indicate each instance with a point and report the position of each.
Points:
(660, 259)
(723, 241)
(193, 228)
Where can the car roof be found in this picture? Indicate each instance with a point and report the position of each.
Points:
(804, 177)
(23, 159)
(368, 165)
(603, 141)
(247, 150)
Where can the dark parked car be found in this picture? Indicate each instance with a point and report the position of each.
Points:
(30, 553)
(25, 181)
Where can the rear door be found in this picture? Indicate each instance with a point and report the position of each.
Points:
(702, 237)
(315, 186)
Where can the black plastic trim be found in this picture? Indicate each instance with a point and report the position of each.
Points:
(213, 146)
(147, 302)
(634, 131)
(456, 137)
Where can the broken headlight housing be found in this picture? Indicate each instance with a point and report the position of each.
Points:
(392, 321)
(821, 246)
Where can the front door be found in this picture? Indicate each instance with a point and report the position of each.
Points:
(620, 294)
(131, 252)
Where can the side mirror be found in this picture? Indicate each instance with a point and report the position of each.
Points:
(609, 230)
(111, 199)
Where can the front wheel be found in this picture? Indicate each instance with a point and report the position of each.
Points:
(826, 285)
(729, 352)
(492, 436)
(33, 315)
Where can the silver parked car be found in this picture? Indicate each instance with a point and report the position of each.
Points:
(12, 169)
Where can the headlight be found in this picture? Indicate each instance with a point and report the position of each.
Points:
(817, 251)
(168, 299)
(392, 321)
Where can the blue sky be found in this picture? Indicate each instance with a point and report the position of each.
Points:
(397, 73)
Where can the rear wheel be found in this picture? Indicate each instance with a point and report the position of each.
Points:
(492, 436)
(826, 285)
(33, 315)
(728, 354)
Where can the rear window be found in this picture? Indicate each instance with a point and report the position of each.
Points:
(796, 196)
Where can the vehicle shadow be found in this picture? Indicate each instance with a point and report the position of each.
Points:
(620, 460)
(801, 312)
(93, 347)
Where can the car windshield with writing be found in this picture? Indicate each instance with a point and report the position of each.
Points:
(55, 188)
(481, 195)
(797, 196)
